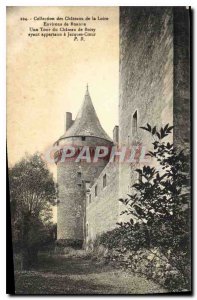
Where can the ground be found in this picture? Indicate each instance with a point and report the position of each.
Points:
(80, 275)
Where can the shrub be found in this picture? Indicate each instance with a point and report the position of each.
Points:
(159, 211)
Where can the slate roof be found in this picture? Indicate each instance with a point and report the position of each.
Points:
(86, 122)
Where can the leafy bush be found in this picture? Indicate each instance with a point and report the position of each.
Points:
(159, 211)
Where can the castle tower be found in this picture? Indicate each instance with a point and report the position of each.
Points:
(73, 177)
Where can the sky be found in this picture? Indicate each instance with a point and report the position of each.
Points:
(48, 76)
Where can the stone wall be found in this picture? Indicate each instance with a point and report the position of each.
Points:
(182, 120)
(146, 78)
(102, 210)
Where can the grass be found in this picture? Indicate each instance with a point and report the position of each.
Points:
(79, 275)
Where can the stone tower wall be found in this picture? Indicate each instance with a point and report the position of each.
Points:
(71, 206)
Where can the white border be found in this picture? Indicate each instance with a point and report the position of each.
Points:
(98, 3)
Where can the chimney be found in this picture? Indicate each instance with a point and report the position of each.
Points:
(68, 120)
(116, 134)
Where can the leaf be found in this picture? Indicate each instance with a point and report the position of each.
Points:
(157, 133)
(162, 132)
(144, 128)
(121, 200)
(155, 144)
(123, 212)
(165, 128)
(152, 154)
(136, 185)
(149, 127)
(131, 221)
(154, 130)
(119, 223)
(169, 145)
(170, 128)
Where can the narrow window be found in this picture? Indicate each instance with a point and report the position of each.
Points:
(79, 182)
(134, 123)
(83, 138)
(90, 198)
(104, 180)
(96, 191)
(87, 229)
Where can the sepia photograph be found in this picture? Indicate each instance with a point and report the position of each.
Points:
(99, 120)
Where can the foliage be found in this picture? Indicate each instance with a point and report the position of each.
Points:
(32, 194)
(125, 237)
(159, 211)
(31, 186)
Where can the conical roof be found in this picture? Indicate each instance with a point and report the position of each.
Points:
(86, 122)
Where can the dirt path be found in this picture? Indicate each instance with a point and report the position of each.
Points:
(61, 275)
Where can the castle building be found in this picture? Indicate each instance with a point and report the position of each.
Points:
(75, 178)
(155, 89)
